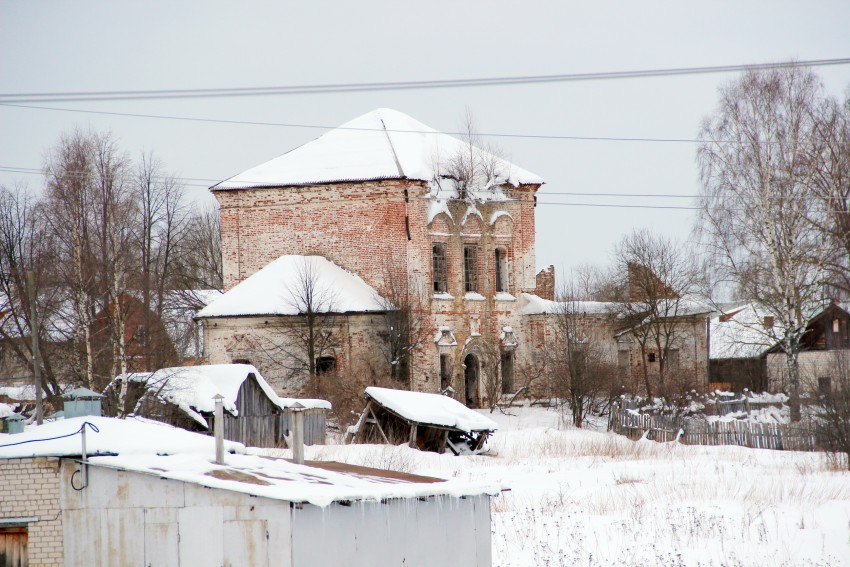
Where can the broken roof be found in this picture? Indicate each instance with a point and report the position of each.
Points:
(381, 144)
(740, 332)
(168, 452)
(431, 409)
(280, 289)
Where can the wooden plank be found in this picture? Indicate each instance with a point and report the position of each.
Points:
(378, 425)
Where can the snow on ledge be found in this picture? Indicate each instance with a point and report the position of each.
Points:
(498, 214)
(504, 296)
(474, 296)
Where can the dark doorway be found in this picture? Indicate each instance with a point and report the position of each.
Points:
(325, 365)
(508, 372)
(470, 374)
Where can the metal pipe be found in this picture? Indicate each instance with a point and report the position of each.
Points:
(218, 427)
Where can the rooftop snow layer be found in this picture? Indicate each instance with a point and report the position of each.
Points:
(191, 388)
(740, 333)
(278, 289)
(535, 305)
(168, 452)
(431, 409)
(61, 438)
(381, 144)
(318, 483)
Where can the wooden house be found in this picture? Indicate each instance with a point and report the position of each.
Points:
(429, 422)
(151, 494)
(824, 352)
(253, 413)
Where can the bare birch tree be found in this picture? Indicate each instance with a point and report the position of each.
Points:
(161, 234)
(757, 200)
(830, 163)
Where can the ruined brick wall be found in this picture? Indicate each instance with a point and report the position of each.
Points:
(384, 231)
(275, 347)
(545, 282)
(30, 488)
(360, 226)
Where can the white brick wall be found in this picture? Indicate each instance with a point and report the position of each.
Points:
(30, 488)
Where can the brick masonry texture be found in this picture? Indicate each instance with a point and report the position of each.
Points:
(380, 230)
(30, 488)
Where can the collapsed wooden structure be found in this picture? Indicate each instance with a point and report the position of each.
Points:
(428, 422)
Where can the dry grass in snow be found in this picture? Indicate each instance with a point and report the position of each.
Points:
(591, 498)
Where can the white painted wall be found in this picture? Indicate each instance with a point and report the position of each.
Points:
(129, 518)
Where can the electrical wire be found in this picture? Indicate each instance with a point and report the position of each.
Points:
(78, 96)
(325, 127)
(92, 426)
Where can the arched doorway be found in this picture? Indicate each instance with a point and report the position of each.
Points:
(470, 374)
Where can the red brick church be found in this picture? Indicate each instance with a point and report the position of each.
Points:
(379, 212)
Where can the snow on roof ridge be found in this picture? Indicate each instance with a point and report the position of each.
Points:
(273, 290)
(353, 152)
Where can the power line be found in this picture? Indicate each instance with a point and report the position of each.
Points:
(78, 96)
(326, 127)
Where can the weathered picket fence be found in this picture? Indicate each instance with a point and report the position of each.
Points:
(698, 431)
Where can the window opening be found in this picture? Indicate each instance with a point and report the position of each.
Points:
(507, 372)
(501, 271)
(325, 365)
(445, 371)
(441, 283)
(470, 268)
(623, 359)
(673, 359)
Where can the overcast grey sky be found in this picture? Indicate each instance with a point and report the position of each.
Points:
(57, 46)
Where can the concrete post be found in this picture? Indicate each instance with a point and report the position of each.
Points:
(298, 433)
(218, 427)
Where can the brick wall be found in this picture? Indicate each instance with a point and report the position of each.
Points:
(30, 488)
(384, 232)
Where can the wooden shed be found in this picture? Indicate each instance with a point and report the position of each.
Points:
(254, 414)
(150, 494)
(429, 422)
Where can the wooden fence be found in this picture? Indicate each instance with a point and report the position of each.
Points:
(697, 431)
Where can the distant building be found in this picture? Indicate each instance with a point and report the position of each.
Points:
(427, 223)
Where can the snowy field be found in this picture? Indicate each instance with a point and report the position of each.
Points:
(577, 497)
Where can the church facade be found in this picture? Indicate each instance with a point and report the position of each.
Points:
(436, 228)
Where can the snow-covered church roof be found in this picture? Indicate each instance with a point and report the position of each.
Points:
(281, 287)
(381, 144)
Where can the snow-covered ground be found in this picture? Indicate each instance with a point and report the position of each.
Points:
(577, 497)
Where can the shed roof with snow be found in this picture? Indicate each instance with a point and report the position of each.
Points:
(191, 388)
(431, 409)
(280, 289)
(167, 452)
(381, 144)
